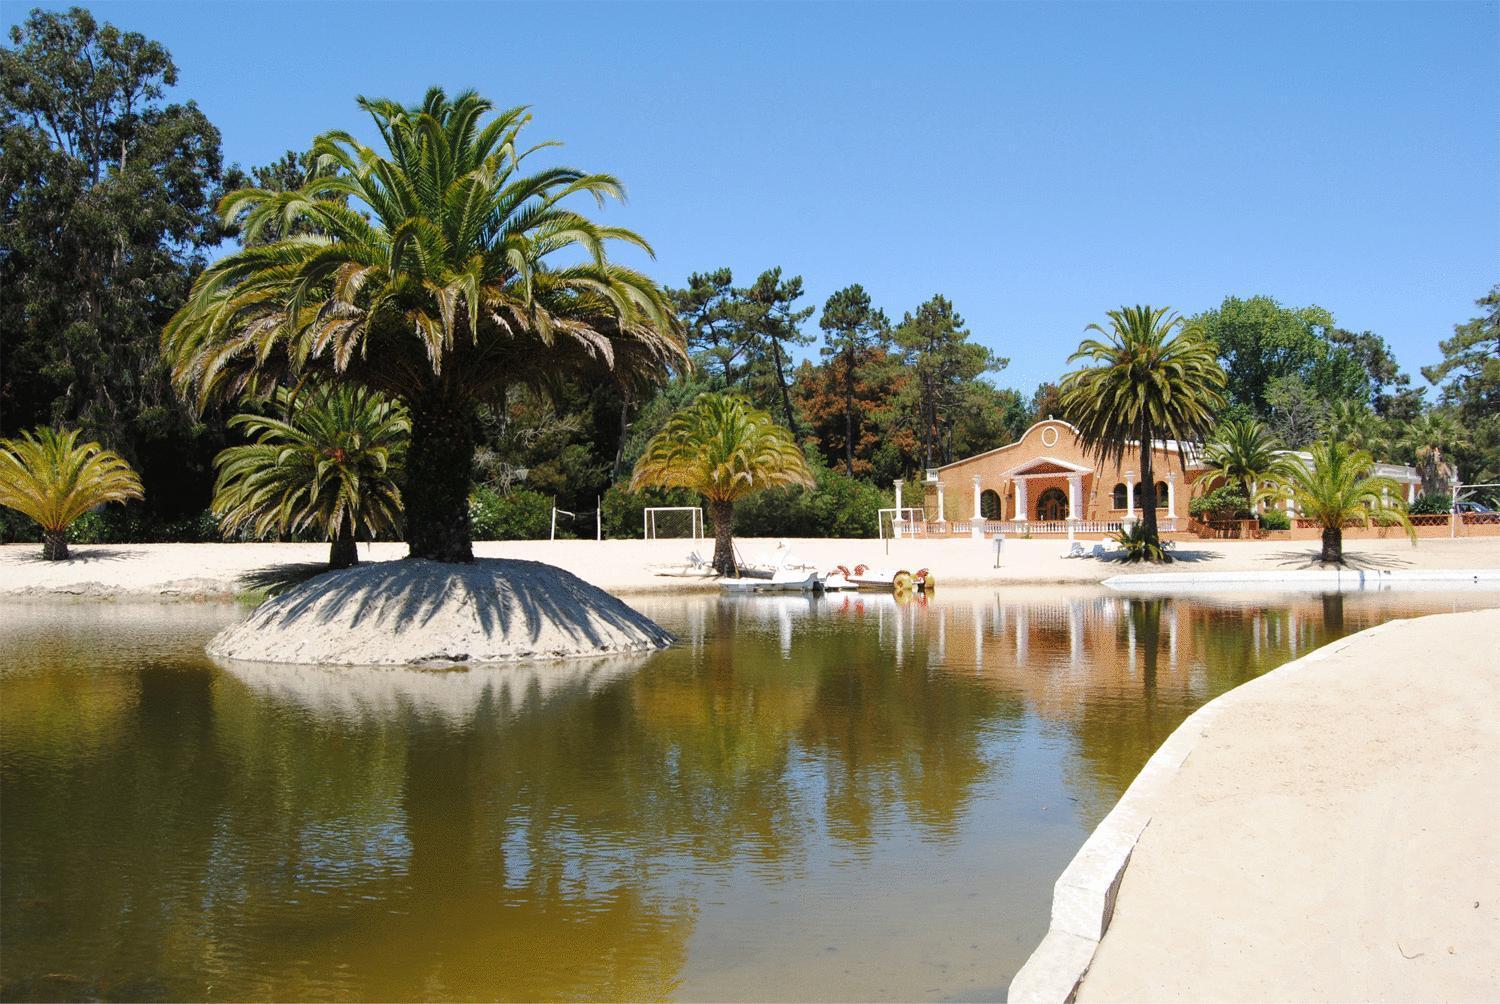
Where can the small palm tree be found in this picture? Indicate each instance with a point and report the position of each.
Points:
(1244, 452)
(1157, 378)
(1429, 440)
(1354, 423)
(329, 466)
(723, 448)
(47, 475)
(1339, 489)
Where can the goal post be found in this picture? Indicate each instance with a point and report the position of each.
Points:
(674, 522)
(912, 522)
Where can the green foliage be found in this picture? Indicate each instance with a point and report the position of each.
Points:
(108, 196)
(1338, 489)
(942, 362)
(465, 276)
(624, 509)
(1259, 342)
(1243, 452)
(514, 515)
(1298, 415)
(1226, 502)
(1431, 504)
(836, 506)
(50, 477)
(1139, 546)
(722, 448)
(329, 467)
(1154, 378)
(1275, 519)
(1470, 379)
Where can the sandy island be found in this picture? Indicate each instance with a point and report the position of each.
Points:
(209, 571)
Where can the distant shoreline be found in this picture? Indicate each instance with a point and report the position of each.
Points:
(248, 572)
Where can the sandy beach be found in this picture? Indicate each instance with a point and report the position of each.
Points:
(206, 571)
(1331, 836)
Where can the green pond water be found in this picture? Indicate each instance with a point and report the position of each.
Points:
(809, 799)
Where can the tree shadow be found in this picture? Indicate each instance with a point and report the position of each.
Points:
(1353, 560)
(273, 580)
(82, 556)
(509, 598)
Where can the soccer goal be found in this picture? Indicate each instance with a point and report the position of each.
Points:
(901, 522)
(683, 522)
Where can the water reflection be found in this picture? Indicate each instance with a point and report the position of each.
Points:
(805, 799)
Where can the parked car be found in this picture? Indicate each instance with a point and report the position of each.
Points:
(1467, 507)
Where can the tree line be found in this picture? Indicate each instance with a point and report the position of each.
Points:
(108, 194)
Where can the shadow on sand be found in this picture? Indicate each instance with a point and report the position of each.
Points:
(1354, 561)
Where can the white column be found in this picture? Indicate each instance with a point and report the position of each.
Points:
(1172, 498)
(941, 517)
(1074, 490)
(1130, 494)
(896, 523)
(1020, 499)
(1411, 493)
(977, 529)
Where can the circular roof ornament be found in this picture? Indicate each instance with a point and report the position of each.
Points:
(1049, 436)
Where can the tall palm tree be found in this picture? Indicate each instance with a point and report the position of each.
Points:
(1429, 440)
(1339, 489)
(48, 475)
(723, 448)
(1354, 423)
(1156, 378)
(449, 275)
(1244, 452)
(329, 466)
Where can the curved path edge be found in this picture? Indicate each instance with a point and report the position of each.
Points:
(1083, 898)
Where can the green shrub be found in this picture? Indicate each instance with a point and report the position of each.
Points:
(1227, 502)
(624, 509)
(839, 506)
(1431, 504)
(1275, 519)
(1138, 547)
(516, 515)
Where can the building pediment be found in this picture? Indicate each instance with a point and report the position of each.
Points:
(1041, 466)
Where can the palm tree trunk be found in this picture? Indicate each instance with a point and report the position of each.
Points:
(439, 473)
(54, 545)
(343, 553)
(1333, 545)
(723, 517)
(1148, 491)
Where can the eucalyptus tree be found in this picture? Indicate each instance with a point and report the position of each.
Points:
(1155, 378)
(724, 449)
(48, 475)
(450, 274)
(852, 328)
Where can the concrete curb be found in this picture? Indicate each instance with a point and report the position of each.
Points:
(1083, 898)
(1314, 580)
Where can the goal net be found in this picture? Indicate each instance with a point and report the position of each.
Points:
(673, 522)
(902, 522)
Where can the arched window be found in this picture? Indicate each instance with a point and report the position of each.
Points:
(989, 504)
(1161, 495)
(1119, 496)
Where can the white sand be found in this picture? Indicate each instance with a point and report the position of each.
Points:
(191, 571)
(1335, 835)
(385, 613)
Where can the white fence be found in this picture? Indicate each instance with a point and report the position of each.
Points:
(1021, 528)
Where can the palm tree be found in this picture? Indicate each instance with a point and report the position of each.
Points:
(458, 276)
(1428, 440)
(1339, 489)
(1157, 378)
(1354, 423)
(1244, 452)
(328, 466)
(47, 475)
(723, 448)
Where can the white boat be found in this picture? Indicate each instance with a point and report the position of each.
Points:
(783, 580)
(894, 579)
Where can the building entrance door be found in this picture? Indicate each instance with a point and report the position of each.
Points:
(1053, 505)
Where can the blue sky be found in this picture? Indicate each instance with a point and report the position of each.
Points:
(1037, 164)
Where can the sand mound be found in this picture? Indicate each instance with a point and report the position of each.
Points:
(425, 612)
